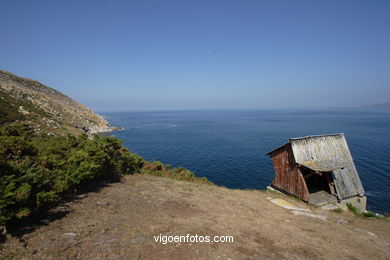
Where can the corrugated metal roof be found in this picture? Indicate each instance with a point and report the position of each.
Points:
(330, 148)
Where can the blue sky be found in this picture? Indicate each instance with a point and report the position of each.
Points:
(151, 55)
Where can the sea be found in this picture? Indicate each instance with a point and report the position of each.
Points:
(229, 146)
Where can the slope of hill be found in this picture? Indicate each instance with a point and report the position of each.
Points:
(122, 220)
(44, 108)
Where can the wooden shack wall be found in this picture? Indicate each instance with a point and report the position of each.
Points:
(288, 177)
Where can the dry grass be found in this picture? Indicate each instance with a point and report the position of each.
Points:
(119, 222)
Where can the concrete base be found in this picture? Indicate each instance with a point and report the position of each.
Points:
(321, 198)
(270, 188)
(359, 202)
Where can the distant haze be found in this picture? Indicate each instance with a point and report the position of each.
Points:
(152, 55)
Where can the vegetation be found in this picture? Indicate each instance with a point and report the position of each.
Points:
(8, 112)
(338, 210)
(157, 168)
(369, 214)
(11, 112)
(36, 170)
(355, 211)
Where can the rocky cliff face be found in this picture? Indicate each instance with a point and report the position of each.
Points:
(44, 108)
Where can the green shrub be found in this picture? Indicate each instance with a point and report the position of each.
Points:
(129, 162)
(369, 214)
(37, 169)
(157, 168)
(338, 210)
(353, 209)
(46, 199)
(23, 212)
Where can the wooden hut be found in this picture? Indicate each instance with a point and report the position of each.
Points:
(318, 169)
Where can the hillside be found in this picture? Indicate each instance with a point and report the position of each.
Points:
(44, 108)
(120, 222)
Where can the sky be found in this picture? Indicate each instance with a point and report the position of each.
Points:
(168, 55)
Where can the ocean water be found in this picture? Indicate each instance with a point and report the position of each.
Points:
(228, 146)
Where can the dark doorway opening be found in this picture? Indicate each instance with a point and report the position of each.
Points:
(318, 185)
(316, 182)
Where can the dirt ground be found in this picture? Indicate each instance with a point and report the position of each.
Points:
(120, 222)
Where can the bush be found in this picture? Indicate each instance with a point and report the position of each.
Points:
(46, 199)
(366, 214)
(338, 210)
(157, 168)
(37, 169)
(369, 214)
(353, 209)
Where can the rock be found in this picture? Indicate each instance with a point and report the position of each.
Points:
(269, 188)
(342, 221)
(23, 111)
(287, 205)
(367, 232)
(296, 212)
(330, 207)
(3, 230)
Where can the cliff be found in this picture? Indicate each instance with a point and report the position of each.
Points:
(44, 108)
